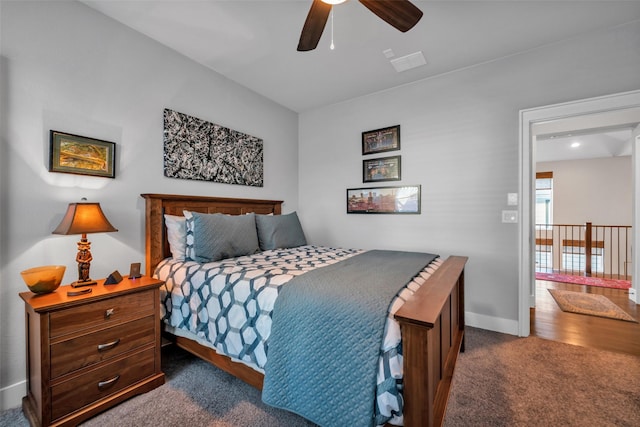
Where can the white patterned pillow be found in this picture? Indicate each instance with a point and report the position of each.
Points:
(190, 251)
(176, 235)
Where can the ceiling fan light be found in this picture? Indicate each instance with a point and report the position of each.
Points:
(333, 1)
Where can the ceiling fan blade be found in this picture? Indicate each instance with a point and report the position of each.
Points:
(314, 25)
(402, 14)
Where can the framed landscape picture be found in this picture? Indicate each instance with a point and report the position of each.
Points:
(384, 200)
(81, 155)
(381, 140)
(381, 169)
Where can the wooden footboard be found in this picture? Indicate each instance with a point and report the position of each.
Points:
(432, 320)
(432, 324)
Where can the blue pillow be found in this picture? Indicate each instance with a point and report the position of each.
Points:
(219, 236)
(279, 231)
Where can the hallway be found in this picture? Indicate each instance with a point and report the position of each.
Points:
(550, 322)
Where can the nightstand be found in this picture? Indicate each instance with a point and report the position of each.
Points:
(89, 352)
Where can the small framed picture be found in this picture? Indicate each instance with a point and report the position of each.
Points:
(380, 140)
(381, 169)
(134, 270)
(81, 155)
(384, 200)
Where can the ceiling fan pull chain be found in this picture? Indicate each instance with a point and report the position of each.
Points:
(332, 45)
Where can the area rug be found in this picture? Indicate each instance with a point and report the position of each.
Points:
(591, 304)
(582, 280)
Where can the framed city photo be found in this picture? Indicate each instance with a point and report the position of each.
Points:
(81, 155)
(380, 140)
(381, 169)
(384, 200)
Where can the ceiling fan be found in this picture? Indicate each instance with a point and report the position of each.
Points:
(401, 14)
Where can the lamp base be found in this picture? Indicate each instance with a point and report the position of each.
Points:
(79, 284)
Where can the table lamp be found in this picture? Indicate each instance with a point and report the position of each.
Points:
(82, 218)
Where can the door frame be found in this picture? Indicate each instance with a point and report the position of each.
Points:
(622, 108)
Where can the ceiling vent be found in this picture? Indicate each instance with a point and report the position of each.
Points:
(408, 62)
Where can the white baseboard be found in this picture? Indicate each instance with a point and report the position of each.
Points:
(11, 397)
(496, 324)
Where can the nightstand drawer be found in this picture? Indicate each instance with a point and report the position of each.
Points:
(67, 356)
(105, 312)
(110, 378)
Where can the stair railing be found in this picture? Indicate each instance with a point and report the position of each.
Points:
(584, 249)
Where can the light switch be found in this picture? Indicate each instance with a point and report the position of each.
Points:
(510, 216)
(512, 199)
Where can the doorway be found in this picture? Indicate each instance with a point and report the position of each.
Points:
(583, 205)
(603, 112)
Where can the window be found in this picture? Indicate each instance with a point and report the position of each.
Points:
(544, 198)
(544, 221)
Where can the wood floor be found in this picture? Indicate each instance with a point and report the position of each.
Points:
(549, 322)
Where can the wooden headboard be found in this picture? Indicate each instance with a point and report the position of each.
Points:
(156, 244)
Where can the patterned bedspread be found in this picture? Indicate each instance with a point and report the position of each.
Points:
(227, 305)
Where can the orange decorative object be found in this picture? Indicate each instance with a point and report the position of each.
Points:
(45, 279)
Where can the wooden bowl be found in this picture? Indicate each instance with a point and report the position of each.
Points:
(45, 279)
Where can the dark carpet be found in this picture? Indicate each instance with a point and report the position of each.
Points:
(500, 380)
(503, 380)
(203, 396)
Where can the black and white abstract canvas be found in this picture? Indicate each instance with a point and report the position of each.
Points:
(200, 150)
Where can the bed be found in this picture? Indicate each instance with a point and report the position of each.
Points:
(431, 320)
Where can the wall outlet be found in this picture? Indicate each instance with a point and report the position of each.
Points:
(510, 216)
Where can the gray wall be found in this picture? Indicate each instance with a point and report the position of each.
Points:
(599, 190)
(67, 67)
(460, 141)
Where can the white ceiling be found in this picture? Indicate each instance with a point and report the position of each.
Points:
(592, 144)
(254, 42)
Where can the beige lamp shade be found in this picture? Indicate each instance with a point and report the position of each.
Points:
(84, 218)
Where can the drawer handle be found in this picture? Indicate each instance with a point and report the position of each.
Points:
(108, 313)
(108, 383)
(109, 345)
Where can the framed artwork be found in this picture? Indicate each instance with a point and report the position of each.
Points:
(381, 169)
(200, 150)
(384, 200)
(81, 155)
(380, 140)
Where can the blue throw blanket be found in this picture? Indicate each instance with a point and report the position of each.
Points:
(326, 335)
